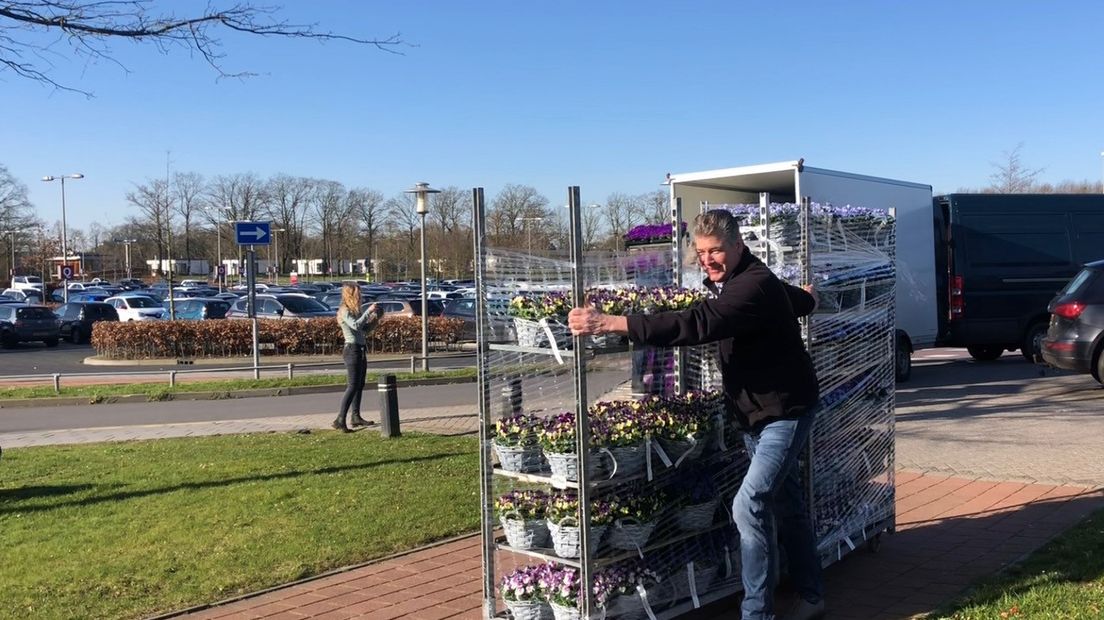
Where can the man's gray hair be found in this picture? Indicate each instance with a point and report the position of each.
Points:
(718, 223)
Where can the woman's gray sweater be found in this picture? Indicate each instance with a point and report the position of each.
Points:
(354, 329)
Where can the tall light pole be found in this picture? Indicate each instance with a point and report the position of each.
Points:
(126, 243)
(421, 193)
(276, 238)
(218, 242)
(529, 230)
(12, 233)
(64, 243)
(1102, 171)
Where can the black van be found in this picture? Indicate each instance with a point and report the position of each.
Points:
(1001, 257)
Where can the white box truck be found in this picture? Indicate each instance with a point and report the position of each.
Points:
(790, 181)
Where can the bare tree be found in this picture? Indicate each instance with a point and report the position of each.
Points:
(330, 211)
(619, 212)
(508, 209)
(403, 223)
(592, 225)
(288, 202)
(1012, 176)
(239, 196)
(655, 206)
(90, 27)
(152, 200)
(366, 207)
(188, 189)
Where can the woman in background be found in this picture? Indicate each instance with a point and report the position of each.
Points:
(354, 326)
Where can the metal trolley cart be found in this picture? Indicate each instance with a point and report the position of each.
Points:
(599, 500)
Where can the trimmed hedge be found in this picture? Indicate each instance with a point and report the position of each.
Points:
(234, 338)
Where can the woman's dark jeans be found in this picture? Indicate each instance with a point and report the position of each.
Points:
(356, 364)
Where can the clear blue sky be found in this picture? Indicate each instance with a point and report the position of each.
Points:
(606, 95)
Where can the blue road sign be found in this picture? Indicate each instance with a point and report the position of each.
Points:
(253, 233)
(66, 273)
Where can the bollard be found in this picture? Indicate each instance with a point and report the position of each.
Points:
(511, 397)
(413, 366)
(389, 406)
(291, 370)
(172, 378)
(57, 383)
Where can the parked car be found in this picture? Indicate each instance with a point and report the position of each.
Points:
(76, 318)
(282, 306)
(131, 284)
(201, 308)
(27, 323)
(27, 295)
(409, 307)
(1075, 338)
(27, 282)
(86, 296)
(137, 308)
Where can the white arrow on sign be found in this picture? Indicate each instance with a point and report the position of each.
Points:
(257, 233)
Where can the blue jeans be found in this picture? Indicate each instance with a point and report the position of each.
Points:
(771, 497)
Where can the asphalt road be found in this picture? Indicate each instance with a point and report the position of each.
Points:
(35, 358)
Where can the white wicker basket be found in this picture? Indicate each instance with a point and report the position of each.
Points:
(520, 459)
(629, 535)
(559, 612)
(696, 517)
(566, 537)
(529, 610)
(525, 533)
(565, 465)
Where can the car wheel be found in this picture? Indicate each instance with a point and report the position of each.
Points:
(1099, 366)
(51, 342)
(986, 353)
(1032, 347)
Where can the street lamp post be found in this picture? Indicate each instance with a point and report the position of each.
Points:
(64, 243)
(218, 243)
(529, 230)
(421, 193)
(126, 244)
(12, 233)
(276, 238)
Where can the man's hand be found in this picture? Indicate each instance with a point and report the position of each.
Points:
(810, 289)
(585, 321)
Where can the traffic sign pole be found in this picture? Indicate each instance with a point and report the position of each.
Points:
(251, 281)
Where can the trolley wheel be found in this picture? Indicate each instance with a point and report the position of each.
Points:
(873, 544)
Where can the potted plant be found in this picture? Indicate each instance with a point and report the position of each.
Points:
(536, 315)
(635, 516)
(683, 425)
(621, 427)
(522, 515)
(697, 504)
(515, 443)
(557, 438)
(561, 587)
(523, 592)
(616, 589)
(563, 522)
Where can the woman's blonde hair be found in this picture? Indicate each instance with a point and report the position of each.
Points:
(350, 298)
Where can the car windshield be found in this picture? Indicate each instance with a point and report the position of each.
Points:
(298, 304)
(1077, 282)
(33, 280)
(34, 313)
(142, 302)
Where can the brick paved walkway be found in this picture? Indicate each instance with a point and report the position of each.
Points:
(951, 531)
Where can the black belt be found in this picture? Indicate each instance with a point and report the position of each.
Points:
(353, 344)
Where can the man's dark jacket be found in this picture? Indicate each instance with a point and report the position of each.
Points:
(766, 370)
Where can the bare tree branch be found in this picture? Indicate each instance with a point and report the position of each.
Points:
(89, 27)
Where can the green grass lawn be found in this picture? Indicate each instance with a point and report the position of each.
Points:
(161, 391)
(127, 529)
(1064, 579)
